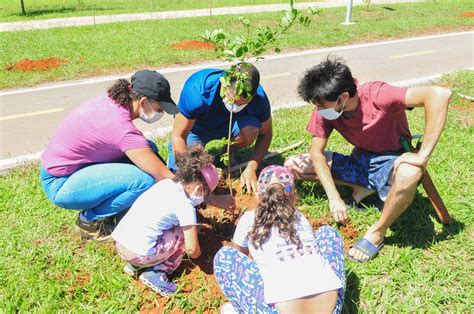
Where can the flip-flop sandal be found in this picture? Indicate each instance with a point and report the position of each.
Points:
(366, 247)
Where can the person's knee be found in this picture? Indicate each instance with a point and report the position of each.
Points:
(328, 232)
(248, 135)
(224, 254)
(407, 176)
(297, 165)
(142, 182)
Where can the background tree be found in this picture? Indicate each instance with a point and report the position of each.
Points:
(23, 12)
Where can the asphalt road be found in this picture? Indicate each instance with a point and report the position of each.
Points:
(28, 117)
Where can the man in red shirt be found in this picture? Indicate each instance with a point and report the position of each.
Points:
(371, 117)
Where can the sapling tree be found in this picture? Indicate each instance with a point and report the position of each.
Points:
(250, 44)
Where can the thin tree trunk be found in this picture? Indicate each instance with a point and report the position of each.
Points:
(23, 12)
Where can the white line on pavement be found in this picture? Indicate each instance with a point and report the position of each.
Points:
(222, 64)
(30, 114)
(414, 54)
(272, 76)
(15, 161)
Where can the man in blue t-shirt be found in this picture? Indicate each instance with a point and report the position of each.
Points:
(204, 116)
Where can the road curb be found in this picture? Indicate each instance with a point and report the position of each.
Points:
(6, 164)
(177, 14)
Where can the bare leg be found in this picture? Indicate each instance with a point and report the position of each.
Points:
(302, 168)
(246, 137)
(400, 197)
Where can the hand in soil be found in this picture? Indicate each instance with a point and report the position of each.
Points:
(226, 202)
(338, 211)
(248, 181)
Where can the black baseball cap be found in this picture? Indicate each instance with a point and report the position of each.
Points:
(155, 86)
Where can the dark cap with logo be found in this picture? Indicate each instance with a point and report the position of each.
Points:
(155, 86)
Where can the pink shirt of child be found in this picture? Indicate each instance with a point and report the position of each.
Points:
(378, 123)
(99, 130)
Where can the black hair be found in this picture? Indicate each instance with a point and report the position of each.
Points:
(326, 81)
(190, 163)
(122, 93)
(275, 209)
(254, 77)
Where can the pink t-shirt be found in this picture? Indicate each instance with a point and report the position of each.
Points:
(378, 123)
(99, 130)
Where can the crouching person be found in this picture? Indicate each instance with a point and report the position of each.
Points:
(161, 226)
(277, 264)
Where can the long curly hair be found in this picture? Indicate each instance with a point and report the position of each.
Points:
(276, 208)
(190, 163)
(122, 93)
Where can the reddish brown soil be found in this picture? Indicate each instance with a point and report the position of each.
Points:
(28, 65)
(193, 45)
(349, 231)
(467, 14)
(217, 228)
(318, 222)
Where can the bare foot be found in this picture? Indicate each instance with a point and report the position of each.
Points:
(359, 193)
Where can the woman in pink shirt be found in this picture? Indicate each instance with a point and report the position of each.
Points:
(98, 162)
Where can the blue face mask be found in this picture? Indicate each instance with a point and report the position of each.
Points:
(331, 113)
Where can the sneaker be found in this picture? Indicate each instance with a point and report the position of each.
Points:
(133, 270)
(158, 282)
(98, 230)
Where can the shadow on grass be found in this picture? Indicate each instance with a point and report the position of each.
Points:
(352, 294)
(416, 229)
(39, 12)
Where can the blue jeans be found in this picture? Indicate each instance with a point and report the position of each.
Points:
(98, 190)
(206, 136)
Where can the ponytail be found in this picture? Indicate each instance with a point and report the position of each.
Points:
(275, 209)
(122, 93)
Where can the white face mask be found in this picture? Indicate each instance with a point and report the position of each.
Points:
(196, 200)
(231, 106)
(331, 113)
(155, 116)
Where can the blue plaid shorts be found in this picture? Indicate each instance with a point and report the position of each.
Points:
(365, 169)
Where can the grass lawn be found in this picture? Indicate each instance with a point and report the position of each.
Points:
(424, 266)
(117, 48)
(47, 9)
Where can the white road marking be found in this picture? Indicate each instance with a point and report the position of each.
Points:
(223, 64)
(414, 54)
(272, 76)
(30, 114)
(15, 161)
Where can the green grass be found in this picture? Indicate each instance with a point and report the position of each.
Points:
(10, 10)
(462, 80)
(424, 266)
(117, 48)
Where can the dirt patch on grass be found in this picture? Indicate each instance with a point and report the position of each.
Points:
(28, 65)
(193, 45)
(467, 14)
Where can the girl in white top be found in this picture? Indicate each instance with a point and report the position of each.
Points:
(277, 263)
(161, 226)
